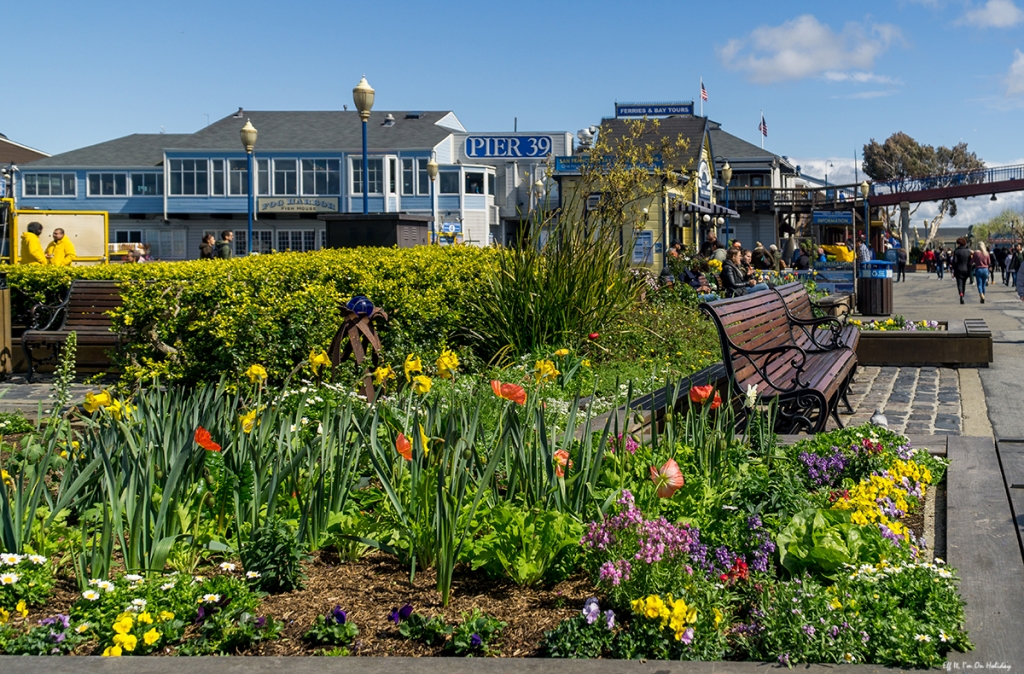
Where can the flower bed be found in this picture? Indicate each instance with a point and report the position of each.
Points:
(896, 323)
(463, 517)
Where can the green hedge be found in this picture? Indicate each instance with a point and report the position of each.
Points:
(220, 317)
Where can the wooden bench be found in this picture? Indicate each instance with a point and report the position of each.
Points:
(759, 349)
(815, 333)
(84, 311)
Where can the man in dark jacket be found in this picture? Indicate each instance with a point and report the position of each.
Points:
(961, 264)
(901, 264)
(225, 247)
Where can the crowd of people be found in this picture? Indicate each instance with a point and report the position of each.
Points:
(740, 268)
(977, 267)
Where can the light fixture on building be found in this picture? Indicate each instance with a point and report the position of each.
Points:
(248, 136)
(686, 218)
(706, 218)
(362, 96)
(864, 189)
(726, 178)
(432, 174)
(721, 220)
(993, 198)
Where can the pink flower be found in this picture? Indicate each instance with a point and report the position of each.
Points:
(667, 479)
(561, 461)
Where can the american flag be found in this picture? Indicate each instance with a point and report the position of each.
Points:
(703, 92)
(763, 126)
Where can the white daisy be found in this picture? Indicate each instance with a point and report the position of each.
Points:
(848, 657)
(252, 574)
(9, 578)
(10, 559)
(105, 585)
(82, 627)
(138, 602)
(922, 637)
(94, 582)
(91, 595)
(943, 637)
(37, 559)
(227, 566)
(133, 577)
(210, 599)
(167, 586)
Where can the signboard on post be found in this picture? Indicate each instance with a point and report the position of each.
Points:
(832, 218)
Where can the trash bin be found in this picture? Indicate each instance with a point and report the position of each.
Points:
(874, 288)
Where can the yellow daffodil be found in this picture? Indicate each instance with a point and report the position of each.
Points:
(6, 478)
(318, 358)
(248, 421)
(424, 440)
(22, 608)
(112, 652)
(718, 617)
(96, 401)
(257, 374)
(562, 353)
(421, 384)
(544, 370)
(126, 641)
(119, 410)
(382, 374)
(63, 453)
(447, 364)
(151, 637)
(411, 366)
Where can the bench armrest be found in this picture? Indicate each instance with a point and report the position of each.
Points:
(44, 316)
(774, 354)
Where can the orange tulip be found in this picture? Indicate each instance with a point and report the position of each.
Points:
(561, 461)
(513, 392)
(403, 446)
(700, 394)
(205, 440)
(667, 479)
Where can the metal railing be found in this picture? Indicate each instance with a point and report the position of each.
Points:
(977, 177)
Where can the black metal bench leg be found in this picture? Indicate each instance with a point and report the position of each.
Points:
(835, 416)
(27, 350)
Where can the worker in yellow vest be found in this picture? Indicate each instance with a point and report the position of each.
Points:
(31, 249)
(61, 252)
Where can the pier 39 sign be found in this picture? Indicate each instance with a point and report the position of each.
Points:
(508, 146)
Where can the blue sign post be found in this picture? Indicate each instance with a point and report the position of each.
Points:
(832, 218)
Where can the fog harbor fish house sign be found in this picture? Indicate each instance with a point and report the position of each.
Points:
(297, 205)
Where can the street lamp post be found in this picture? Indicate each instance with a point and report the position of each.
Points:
(727, 178)
(864, 189)
(248, 134)
(432, 174)
(362, 95)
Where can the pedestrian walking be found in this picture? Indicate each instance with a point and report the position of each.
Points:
(1015, 263)
(981, 261)
(940, 263)
(863, 252)
(225, 245)
(961, 264)
(901, 264)
(207, 249)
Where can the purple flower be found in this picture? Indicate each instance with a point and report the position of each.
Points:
(615, 572)
(784, 659)
(687, 636)
(475, 641)
(609, 619)
(200, 615)
(808, 630)
(591, 610)
(864, 636)
(399, 614)
(340, 616)
(629, 444)
(261, 621)
(823, 471)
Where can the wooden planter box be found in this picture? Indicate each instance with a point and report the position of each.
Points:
(966, 343)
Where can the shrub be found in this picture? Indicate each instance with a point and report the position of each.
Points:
(274, 554)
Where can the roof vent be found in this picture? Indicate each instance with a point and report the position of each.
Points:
(389, 120)
(413, 115)
(239, 114)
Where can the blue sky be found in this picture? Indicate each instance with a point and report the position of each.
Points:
(829, 76)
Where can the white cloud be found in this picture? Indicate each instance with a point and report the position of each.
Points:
(866, 95)
(860, 77)
(805, 47)
(840, 170)
(1015, 77)
(993, 14)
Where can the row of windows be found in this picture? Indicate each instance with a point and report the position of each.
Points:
(230, 177)
(170, 244)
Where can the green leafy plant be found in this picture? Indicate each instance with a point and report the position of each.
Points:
(576, 638)
(27, 578)
(12, 423)
(273, 553)
(432, 631)
(825, 540)
(332, 629)
(475, 634)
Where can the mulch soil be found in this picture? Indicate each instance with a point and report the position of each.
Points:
(372, 587)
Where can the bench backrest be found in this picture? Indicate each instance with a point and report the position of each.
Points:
(754, 321)
(797, 299)
(88, 303)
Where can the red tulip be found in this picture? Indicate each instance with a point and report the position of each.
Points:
(592, 336)
(205, 441)
(700, 394)
(513, 392)
(668, 479)
(717, 401)
(403, 446)
(561, 461)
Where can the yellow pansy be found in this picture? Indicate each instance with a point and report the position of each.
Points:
(126, 641)
(123, 624)
(835, 603)
(382, 374)
(447, 364)
(112, 652)
(585, 362)
(166, 615)
(5, 615)
(544, 370)
(145, 618)
(96, 401)
(256, 374)
(411, 366)
(318, 358)
(22, 608)
(151, 637)
(421, 384)
(562, 353)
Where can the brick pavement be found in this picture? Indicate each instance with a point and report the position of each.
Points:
(914, 400)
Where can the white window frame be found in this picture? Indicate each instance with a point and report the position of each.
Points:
(171, 171)
(308, 240)
(312, 191)
(224, 177)
(356, 163)
(263, 170)
(257, 235)
(243, 173)
(158, 180)
(295, 171)
(422, 177)
(113, 174)
(412, 170)
(49, 179)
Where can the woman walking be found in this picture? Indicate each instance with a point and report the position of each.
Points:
(961, 263)
(981, 262)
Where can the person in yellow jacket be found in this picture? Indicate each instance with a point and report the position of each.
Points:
(31, 248)
(61, 252)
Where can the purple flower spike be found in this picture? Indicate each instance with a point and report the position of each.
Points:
(340, 616)
(475, 641)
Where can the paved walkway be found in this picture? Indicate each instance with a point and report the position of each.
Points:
(16, 395)
(914, 400)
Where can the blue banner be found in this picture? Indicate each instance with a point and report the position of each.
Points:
(832, 217)
(575, 163)
(652, 109)
(508, 146)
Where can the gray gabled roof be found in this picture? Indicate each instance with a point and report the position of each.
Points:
(136, 150)
(326, 130)
(689, 127)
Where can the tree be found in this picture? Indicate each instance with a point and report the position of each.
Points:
(1008, 223)
(901, 158)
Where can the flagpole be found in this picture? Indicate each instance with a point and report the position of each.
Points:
(759, 128)
(702, 96)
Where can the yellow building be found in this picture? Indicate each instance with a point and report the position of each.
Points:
(682, 206)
